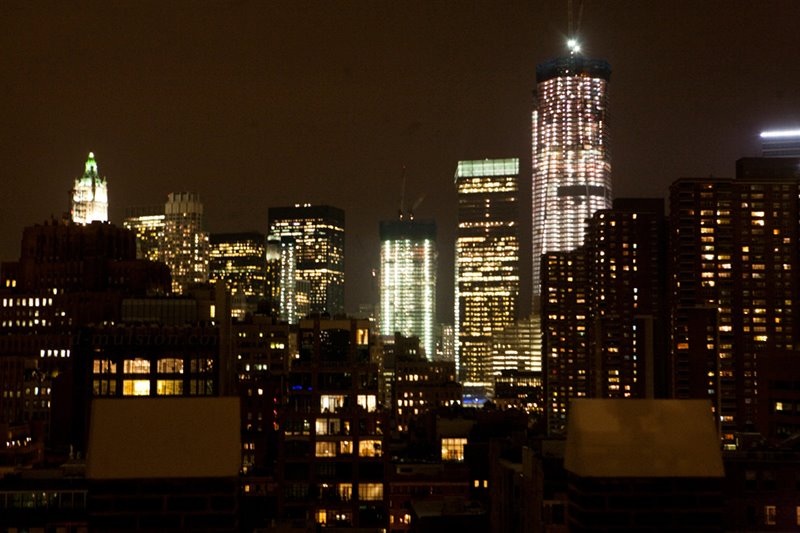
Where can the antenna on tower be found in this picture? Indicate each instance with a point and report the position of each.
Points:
(414, 207)
(402, 192)
(573, 27)
(569, 19)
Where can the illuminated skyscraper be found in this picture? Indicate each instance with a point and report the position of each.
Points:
(239, 259)
(318, 232)
(512, 349)
(148, 225)
(272, 289)
(288, 292)
(487, 261)
(90, 195)
(185, 245)
(604, 314)
(735, 246)
(408, 280)
(571, 159)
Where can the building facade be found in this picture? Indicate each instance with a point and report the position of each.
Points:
(565, 333)
(148, 225)
(605, 311)
(68, 275)
(571, 158)
(408, 280)
(318, 232)
(487, 261)
(239, 260)
(512, 349)
(734, 243)
(185, 245)
(90, 195)
(331, 453)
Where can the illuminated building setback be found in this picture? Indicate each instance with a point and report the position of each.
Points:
(90, 195)
(408, 280)
(185, 246)
(571, 159)
(318, 232)
(487, 261)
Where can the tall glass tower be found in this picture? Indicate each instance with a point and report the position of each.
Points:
(239, 260)
(318, 233)
(185, 245)
(487, 262)
(408, 280)
(571, 159)
(147, 223)
(90, 195)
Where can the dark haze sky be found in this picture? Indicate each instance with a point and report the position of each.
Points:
(265, 103)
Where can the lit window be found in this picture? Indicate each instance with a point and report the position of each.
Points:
(367, 402)
(328, 426)
(370, 491)
(453, 449)
(136, 366)
(170, 366)
(345, 491)
(769, 515)
(326, 449)
(136, 387)
(169, 387)
(330, 403)
(104, 366)
(369, 448)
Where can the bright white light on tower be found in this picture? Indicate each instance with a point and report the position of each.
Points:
(779, 133)
(574, 46)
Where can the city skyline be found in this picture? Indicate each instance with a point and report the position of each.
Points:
(254, 106)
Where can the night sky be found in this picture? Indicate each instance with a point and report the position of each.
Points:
(267, 103)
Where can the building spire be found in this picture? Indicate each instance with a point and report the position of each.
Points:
(91, 165)
(89, 195)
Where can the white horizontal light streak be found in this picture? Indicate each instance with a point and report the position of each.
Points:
(777, 134)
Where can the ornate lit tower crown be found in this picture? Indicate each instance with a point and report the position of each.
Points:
(90, 195)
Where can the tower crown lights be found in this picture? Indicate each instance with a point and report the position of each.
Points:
(91, 164)
(89, 195)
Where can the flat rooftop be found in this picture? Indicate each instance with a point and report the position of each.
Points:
(642, 439)
(152, 438)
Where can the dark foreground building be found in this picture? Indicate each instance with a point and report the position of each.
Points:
(643, 465)
(164, 464)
